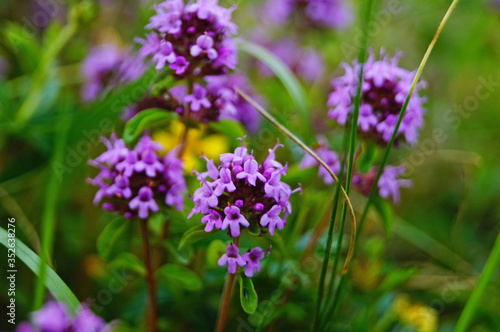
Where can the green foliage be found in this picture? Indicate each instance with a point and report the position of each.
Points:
(385, 213)
(192, 235)
(180, 275)
(248, 296)
(129, 261)
(110, 235)
(52, 281)
(146, 119)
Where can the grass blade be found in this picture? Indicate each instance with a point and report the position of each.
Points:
(373, 190)
(286, 76)
(54, 283)
(486, 276)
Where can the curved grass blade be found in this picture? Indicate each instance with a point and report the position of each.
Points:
(285, 75)
(53, 282)
(373, 192)
(304, 147)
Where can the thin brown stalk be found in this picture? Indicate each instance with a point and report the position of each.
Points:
(150, 280)
(225, 299)
(304, 147)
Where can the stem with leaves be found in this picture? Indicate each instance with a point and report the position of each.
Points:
(373, 192)
(150, 279)
(225, 299)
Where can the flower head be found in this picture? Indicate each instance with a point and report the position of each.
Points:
(384, 89)
(252, 259)
(244, 193)
(390, 183)
(193, 39)
(105, 67)
(334, 14)
(231, 258)
(55, 317)
(328, 156)
(132, 181)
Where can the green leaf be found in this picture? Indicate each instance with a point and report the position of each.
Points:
(146, 119)
(110, 234)
(129, 261)
(215, 250)
(181, 275)
(53, 282)
(285, 75)
(248, 295)
(192, 235)
(231, 129)
(365, 161)
(384, 210)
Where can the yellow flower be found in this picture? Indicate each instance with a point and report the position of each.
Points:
(420, 316)
(196, 143)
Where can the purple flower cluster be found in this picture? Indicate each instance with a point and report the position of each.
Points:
(214, 100)
(333, 14)
(389, 183)
(193, 39)
(243, 194)
(54, 317)
(328, 156)
(105, 67)
(306, 62)
(385, 87)
(132, 182)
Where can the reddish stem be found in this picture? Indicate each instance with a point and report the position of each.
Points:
(150, 280)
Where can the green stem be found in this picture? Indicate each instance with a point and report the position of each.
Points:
(329, 240)
(373, 191)
(30, 104)
(49, 212)
(491, 267)
(350, 167)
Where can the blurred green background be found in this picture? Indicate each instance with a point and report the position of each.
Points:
(443, 231)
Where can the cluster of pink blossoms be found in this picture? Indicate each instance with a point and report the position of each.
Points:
(242, 194)
(385, 87)
(132, 181)
(389, 184)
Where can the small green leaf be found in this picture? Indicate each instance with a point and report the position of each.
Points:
(368, 154)
(384, 210)
(53, 282)
(231, 129)
(146, 119)
(192, 235)
(109, 235)
(215, 250)
(180, 275)
(129, 261)
(248, 295)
